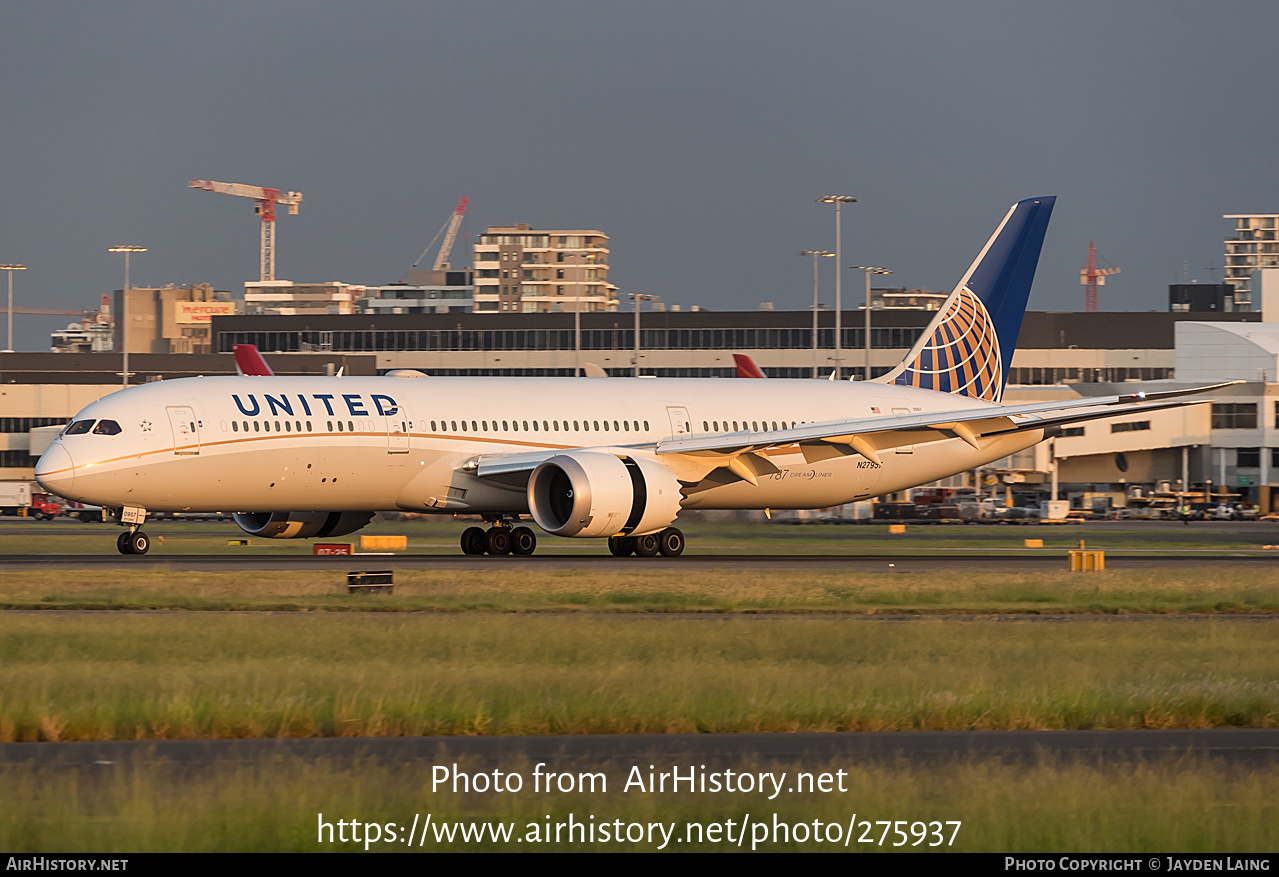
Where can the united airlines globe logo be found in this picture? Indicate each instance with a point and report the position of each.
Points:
(962, 355)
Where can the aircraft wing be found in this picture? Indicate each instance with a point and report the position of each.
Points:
(693, 458)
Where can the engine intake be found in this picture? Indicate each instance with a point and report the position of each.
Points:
(596, 494)
(300, 525)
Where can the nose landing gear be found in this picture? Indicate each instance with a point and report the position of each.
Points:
(134, 541)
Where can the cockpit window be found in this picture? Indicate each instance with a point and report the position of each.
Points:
(107, 427)
(80, 427)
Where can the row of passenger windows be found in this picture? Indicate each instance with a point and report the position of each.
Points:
(752, 425)
(297, 426)
(540, 425)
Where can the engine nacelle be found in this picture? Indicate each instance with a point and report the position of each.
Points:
(591, 493)
(300, 525)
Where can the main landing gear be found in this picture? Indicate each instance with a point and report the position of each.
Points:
(668, 543)
(500, 538)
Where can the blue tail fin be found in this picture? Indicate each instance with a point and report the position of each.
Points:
(969, 344)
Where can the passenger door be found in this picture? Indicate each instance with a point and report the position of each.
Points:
(186, 433)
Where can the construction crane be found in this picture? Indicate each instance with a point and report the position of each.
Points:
(265, 207)
(1091, 277)
(449, 230)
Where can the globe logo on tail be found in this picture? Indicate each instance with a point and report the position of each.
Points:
(962, 354)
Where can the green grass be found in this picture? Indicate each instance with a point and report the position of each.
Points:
(109, 676)
(705, 537)
(1166, 806)
(635, 590)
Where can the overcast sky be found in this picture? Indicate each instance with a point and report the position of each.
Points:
(696, 134)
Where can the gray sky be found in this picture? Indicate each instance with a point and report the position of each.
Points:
(696, 134)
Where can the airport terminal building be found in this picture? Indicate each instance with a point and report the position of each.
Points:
(1233, 443)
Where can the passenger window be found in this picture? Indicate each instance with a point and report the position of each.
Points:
(574, 426)
(110, 427)
(308, 426)
(235, 427)
(544, 426)
(454, 423)
(298, 424)
(474, 428)
(339, 426)
(485, 425)
(287, 427)
(506, 427)
(614, 426)
(80, 427)
(329, 424)
(525, 425)
(350, 427)
(534, 426)
(596, 425)
(646, 426)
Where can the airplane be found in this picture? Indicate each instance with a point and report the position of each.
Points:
(317, 457)
(248, 361)
(746, 367)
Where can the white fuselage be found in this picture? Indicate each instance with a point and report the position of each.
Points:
(379, 443)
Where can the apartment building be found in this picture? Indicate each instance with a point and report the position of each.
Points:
(519, 269)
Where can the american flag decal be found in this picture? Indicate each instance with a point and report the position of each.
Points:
(962, 354)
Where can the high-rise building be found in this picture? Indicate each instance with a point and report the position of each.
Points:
(524, 270)
(1253, 246)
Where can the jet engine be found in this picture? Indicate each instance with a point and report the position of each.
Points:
(300, 525)
(597, 494)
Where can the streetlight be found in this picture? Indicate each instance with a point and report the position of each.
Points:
(869, 269)
(838, 201)
(124, 299)
(639, 297)
(577, 312)
(11, 269)
(815, 254)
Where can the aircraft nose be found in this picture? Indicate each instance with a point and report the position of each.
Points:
(55, 471)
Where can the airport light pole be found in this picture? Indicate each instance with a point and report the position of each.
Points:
(869, 269)
(11, 269)
(815, 254)
(124, 307)
(839, 201)
(639, 297)
(577, 313)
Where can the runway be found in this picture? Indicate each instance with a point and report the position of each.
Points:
(1009, 562)
(1254, 747)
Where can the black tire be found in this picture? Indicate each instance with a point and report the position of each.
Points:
(647, 545)
(523, 541)
(671, 542)
(621, 546)
(497, 541)
(139, 543)
(473, 541)
(122, 543)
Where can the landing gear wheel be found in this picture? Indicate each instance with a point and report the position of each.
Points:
(621, 546)
(523, 541)
(139, 543)
(647, 545)
(671, 542)
(497, 541)
(122, 543)
(473, 541)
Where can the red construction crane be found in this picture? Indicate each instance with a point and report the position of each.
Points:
(449, 230)
(266, 200)
(1091, 277)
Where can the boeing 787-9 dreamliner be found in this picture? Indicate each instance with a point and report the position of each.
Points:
(306, 457)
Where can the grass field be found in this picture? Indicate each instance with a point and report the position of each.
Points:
(1189, 589)
(1167, 806)
(138, 676)
(704, 537)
